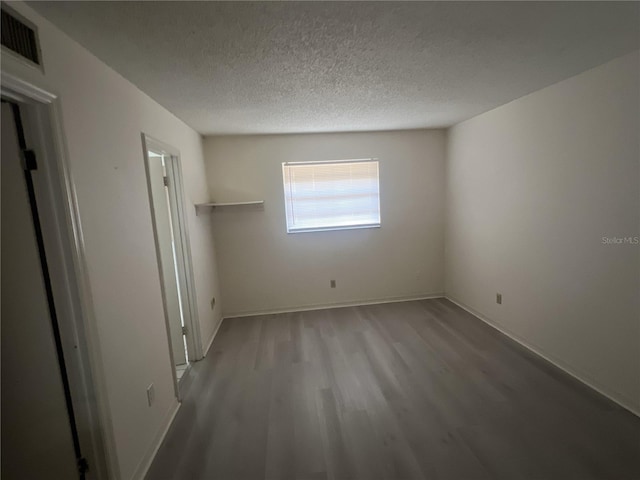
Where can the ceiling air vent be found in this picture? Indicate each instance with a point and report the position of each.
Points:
(19, 37)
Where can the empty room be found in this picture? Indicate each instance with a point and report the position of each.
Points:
(320, 240)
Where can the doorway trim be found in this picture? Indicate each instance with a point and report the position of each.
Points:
(64, 242)
(181, 232)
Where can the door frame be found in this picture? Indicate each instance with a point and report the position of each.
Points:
(59, 217)
(183, 248)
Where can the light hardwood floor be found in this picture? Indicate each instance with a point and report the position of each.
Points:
(407, 390)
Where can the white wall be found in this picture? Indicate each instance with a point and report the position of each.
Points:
(532, 187)
(262, 268)
(103, 117)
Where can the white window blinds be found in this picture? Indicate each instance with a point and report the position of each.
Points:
(331, 195)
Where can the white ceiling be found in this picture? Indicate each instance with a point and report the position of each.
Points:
(274, 67)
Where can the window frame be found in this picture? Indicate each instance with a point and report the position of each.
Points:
(335, 227)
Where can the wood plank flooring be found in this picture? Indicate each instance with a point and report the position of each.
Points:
(412, 390)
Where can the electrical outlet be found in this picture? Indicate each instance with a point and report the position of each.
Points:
(213, 302)
(499, 298)
(333, 284)
(151, 394)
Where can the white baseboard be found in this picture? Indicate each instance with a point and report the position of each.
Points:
(326, 306)
(213, 336)
(619, 400)
(145, 463)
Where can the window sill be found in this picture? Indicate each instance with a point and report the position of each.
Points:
(331, 229)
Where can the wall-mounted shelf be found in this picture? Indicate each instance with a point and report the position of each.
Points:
(211, 206)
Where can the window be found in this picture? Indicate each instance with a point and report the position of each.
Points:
(331, 195)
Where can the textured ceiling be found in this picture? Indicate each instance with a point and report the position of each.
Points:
(272, 67)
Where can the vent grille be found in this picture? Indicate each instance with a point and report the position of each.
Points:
(19, 37)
